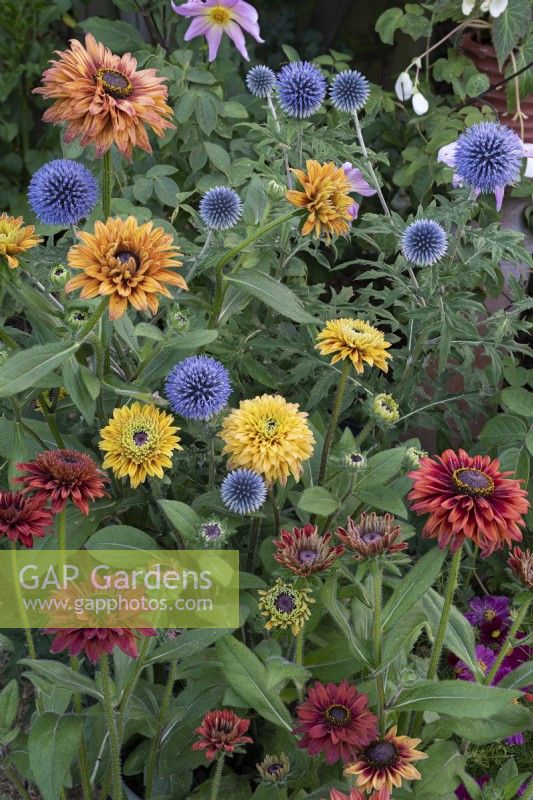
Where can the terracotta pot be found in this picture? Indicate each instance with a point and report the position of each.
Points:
(484, 57)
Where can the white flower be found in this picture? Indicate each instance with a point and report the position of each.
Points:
(420, 104)
(494, 7)
(468, 6)
(497, 7)
(403, 87)
(529, 168)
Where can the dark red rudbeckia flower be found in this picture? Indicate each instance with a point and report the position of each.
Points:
(305, 551)
(60, 475)
(221, 731)
(94, 642)
(22, 518)
(468, 498)
(335, 720)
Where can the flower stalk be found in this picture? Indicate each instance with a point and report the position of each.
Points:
(377, 641)
(341, 388)
(116, 778)
(217, 777)
(156, 741)
(366, 156)
(107, 181)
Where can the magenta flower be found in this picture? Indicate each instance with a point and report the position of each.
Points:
(485, 658)
(212, 18)
(485, 609)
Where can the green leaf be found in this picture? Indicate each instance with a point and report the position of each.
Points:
(459, 638)
(317, 500)
(510, 27)
(382, 498)
(26, 368)
(166, 190)
(482, 731)
(519, 678)
(76, 386)
(441, 769)
(503, 430)
(183, 517)
(402, 636)
(328, 596)
(381, 468)
(53, 743)
(456, 698)
(119, 36)
(477, 84)
(518, 400)
(272, 293)
(59, 674)
(387, 24)
(413, 586)
(188, 643)
(206, 113)
(246, 675)
(218, 156)
(121, 537)
(9, 703)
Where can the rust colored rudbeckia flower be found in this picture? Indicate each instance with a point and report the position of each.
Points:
(354, 339)
(22, 518)
(305, 551)
(372, 536)
(326, 198)
(95, 642)
(62, 475)
(104, 98)
(355, 794)
(127, 261)
(521, 563)
(335, 720)
(15, 239)
(385, 762)
(221, 731)
(468, 498)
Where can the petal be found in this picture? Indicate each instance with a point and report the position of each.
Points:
(497, 7)
(213, 36)
(529, 165)
(200, 26)
(446, 154)
(237, 37)
(468, 6)
(498, 193)
(190, 9)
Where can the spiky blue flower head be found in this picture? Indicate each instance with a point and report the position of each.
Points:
(260, 81)
(424, 242)
(350, 91)
(62, 192)
(220, 208)
(301, 89)
(488, 156)
(198, 387)
(243, 491)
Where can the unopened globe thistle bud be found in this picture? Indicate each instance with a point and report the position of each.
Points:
(59, 275)
(385, 410)
(412, 457)
(275, 190)
(77, 318)
(178, 320)
(354, 460)
(274, 769)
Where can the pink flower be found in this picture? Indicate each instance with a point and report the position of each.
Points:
(212, 18)
(358, 183)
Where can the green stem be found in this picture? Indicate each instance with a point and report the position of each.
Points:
(441, 632)
(217, 777)
(363, 433)
(93, 319)
(61, 531)
(111, 727)
(6, 338)
(84, 765)
(50, 419)
(509, 642)
(275, 511)
(332, 427)
(27, 630)
(156, 741)
(129, 688)
(299, 659)
(107, 179)
(15, 780)
(380, 687)
(253, 544)
(212, 460)
(375, 179)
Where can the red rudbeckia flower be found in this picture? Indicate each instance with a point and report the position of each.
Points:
(468, 498)
(94, 642)
(23, 517)
(335, 720)
(221, 731)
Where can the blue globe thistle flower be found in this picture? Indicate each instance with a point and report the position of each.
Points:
(260, 81)
(350, 91)
(301, 89)
(220, 208)
(424, 242)
(62, 192)
(243, 491)
(198, 387)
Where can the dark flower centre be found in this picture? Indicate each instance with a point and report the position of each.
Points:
(356, 458)
(140, 438)
(124, 257)
(473, 482)
(381, 754)
(69, 458)
(273, 768)
(271, 425)
(285, 603)
(307, 556)
(371, 536)
(489, 615)
(212, 530)
(338, 715)
(114, 83)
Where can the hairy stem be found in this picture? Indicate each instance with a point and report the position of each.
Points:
(107, 179)
(373, 175)
(251, 559)
(380, 687)
(215, 789)
(111, 727)
(156, 741)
